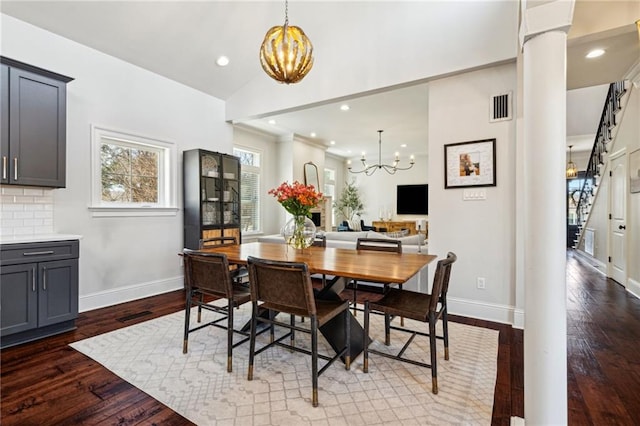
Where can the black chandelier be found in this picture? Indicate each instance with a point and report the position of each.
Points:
(389, 168)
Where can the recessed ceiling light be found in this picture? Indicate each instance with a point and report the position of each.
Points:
(404, 145)
(348, 151)
(595, 53)
(272, 122)
(313, 134)
(222, 61)
(344, 107)
(332, 142)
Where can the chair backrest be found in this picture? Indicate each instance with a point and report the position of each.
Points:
(218, 241)
(286, 284)
(379, 244)
(320, 241)
(208, 272)
(441, 281)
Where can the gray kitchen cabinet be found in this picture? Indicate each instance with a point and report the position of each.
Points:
(38, 290)
(33, 125)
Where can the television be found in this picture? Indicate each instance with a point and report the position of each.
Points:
(412, 199)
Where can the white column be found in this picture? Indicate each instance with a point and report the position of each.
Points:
(544, 104)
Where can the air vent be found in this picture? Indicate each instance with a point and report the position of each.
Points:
(500, 107)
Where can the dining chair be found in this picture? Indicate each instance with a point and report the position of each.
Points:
(286, 287)
(375, 244)
(417, 306)
(239, 273)
(208, 273)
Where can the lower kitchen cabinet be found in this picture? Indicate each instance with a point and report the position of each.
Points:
(38, 290)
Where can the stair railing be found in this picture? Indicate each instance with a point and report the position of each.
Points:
(600, 147)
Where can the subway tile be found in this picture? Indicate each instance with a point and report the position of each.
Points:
(7, 215)
(6, 231)
(47, 222)
(23, 215)
(34, 192)
(33, 222)
(43, 214)
(8, 190)
(34, 207)
(6, 223)
(43, 229)
(25, 199)
(10, 199)
(23, 231)
(13, 207)
(43, 200)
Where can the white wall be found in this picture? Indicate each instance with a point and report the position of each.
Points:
(131, 257)
(481, 233)
(485, 33)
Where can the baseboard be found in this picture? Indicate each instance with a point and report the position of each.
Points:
(481, 310)
(518, 318)
(633, 287)
(592, 261)
(118, 295)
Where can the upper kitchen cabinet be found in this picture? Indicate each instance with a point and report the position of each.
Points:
(34, 103)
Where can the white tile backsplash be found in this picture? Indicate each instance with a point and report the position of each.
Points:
(26, 210)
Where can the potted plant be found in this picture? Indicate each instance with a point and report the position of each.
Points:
(349, 205)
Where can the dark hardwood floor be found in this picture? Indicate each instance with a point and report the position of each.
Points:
(48, 383)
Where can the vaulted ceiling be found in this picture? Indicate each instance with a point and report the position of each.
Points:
(181, 40)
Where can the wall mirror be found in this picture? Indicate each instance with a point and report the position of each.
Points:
(311, 175)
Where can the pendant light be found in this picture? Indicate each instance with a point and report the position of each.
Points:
(286, 53)
(389, 168)
(572, 170)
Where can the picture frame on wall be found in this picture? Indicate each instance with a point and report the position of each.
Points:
(470, 164)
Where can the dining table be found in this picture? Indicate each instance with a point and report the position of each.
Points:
(343, 264)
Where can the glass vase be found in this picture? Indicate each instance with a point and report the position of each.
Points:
(299, 232)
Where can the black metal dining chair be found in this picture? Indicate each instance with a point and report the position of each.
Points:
(286, 287)
(421, 307)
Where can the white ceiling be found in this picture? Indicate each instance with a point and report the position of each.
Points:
(181, 40)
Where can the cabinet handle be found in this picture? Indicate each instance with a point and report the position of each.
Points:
(15, 168)
(44, 277)
(33, 279)
(37, 253)
(4, 167)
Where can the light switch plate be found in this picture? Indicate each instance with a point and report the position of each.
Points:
(474, 194)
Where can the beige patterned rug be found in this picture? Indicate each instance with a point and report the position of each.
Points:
(196, 385)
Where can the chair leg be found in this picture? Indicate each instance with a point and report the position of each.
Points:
(401, 318)
(355, 292)
(365, 339)
(314, 360)
(200, 307)
(347, 333)
(292, 338)
(252, 339)
(272, 329)
(387, 329)
(434, 357)
(445, 331)
(187, 317)
(230, 335)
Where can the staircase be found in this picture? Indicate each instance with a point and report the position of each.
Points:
(597, 164)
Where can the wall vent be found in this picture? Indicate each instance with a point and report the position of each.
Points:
(500, 107)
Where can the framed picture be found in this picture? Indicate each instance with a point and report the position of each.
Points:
(634, 171)
(469, 164)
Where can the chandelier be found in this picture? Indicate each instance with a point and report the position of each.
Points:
(389, 168)
(286, 53)
(572, 170)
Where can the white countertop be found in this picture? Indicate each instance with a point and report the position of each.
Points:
(38, 238)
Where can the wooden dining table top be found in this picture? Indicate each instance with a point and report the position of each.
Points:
(359, 264)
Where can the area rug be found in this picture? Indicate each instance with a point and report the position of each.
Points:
(197, 385)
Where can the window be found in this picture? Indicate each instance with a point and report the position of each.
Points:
(250, 220)
(132, 175)
(330, 189)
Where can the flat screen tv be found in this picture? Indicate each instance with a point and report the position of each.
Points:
(412, 199)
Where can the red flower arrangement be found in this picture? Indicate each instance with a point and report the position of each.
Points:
(297, 199)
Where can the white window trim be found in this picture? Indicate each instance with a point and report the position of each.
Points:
(261, 189)
(166, 207)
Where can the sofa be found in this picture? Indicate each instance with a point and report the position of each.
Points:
(410, 243)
